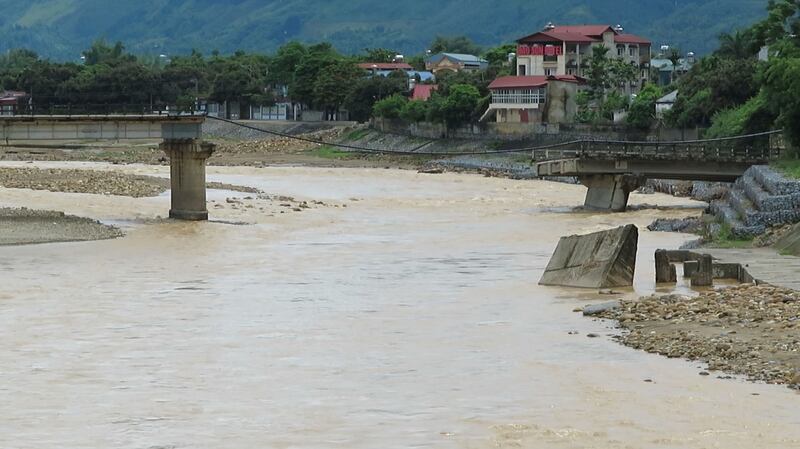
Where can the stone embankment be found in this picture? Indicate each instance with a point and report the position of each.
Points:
(759, 199)
(746, 330)
(217, 129)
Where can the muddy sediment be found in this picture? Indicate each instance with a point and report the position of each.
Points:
(746, 330)
(25, 226)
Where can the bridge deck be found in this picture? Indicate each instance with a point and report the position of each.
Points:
(696, 170)
(100, 127)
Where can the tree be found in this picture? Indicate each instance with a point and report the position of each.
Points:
(333, 84)
(368, 90)
(316, 59)
(499, 65)
(457, 44)
(781, 23)
(597, 74)
(621, 73)
(414, 111)
(712, 85)
(613, 102)
(390, 107)
(378, 55)
(283, 65)
(781, 88)
(642, 111)
(102, 53)
(242, 78)
(185, 77)
(460, 104)
(739, 45)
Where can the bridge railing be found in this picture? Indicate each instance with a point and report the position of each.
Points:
(754, 148)
(96, 109)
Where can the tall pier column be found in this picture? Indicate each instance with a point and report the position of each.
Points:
(609, 192)
(187, 164)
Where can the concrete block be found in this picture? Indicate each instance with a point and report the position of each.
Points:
(690, 268)
(665, 271)
(603, 259)
(726, 270)
(704, 277)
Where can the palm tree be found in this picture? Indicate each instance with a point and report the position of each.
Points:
(738, 45)
(675, 58)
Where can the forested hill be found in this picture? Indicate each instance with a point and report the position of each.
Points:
(62, 28)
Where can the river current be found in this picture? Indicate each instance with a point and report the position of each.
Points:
(409, 318)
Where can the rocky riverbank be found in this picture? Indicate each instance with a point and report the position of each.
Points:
(747, 330)
(25, 226)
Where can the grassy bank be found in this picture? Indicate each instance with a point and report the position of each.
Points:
(788, 167)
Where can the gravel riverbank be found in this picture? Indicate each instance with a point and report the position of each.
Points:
(82, 181)
(745, 330)
(98, 182)
(26, 226)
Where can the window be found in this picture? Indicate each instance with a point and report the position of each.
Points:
(620, 50)
(522, 69)
(633, 51)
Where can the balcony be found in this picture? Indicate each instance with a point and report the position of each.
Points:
(518, 98)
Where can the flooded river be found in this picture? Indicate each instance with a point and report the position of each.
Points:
(409, 318)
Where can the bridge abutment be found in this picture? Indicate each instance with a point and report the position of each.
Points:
(187, 161)
(609, 192)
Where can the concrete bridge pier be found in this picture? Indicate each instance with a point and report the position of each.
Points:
(608, 191)
(187, 163)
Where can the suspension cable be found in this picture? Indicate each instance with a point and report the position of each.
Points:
(414, 151)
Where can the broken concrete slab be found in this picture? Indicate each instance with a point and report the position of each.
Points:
(603, 259)
(665, 271)
(704, 276)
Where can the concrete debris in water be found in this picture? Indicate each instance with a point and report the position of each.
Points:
(598, 309)
(748, 330)
(600, 260)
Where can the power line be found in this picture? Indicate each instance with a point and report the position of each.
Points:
(413, 151)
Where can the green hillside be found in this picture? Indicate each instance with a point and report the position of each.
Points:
(62, 28)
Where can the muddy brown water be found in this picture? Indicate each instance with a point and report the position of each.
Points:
(409, 318)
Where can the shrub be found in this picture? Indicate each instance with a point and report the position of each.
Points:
(414, 111)
(390, 107)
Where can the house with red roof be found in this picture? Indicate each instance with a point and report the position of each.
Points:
(566, 50)
(533, 99)
(423, 92)
(11, 102)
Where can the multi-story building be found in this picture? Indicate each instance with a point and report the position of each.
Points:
(533, 99)
(566, 50)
